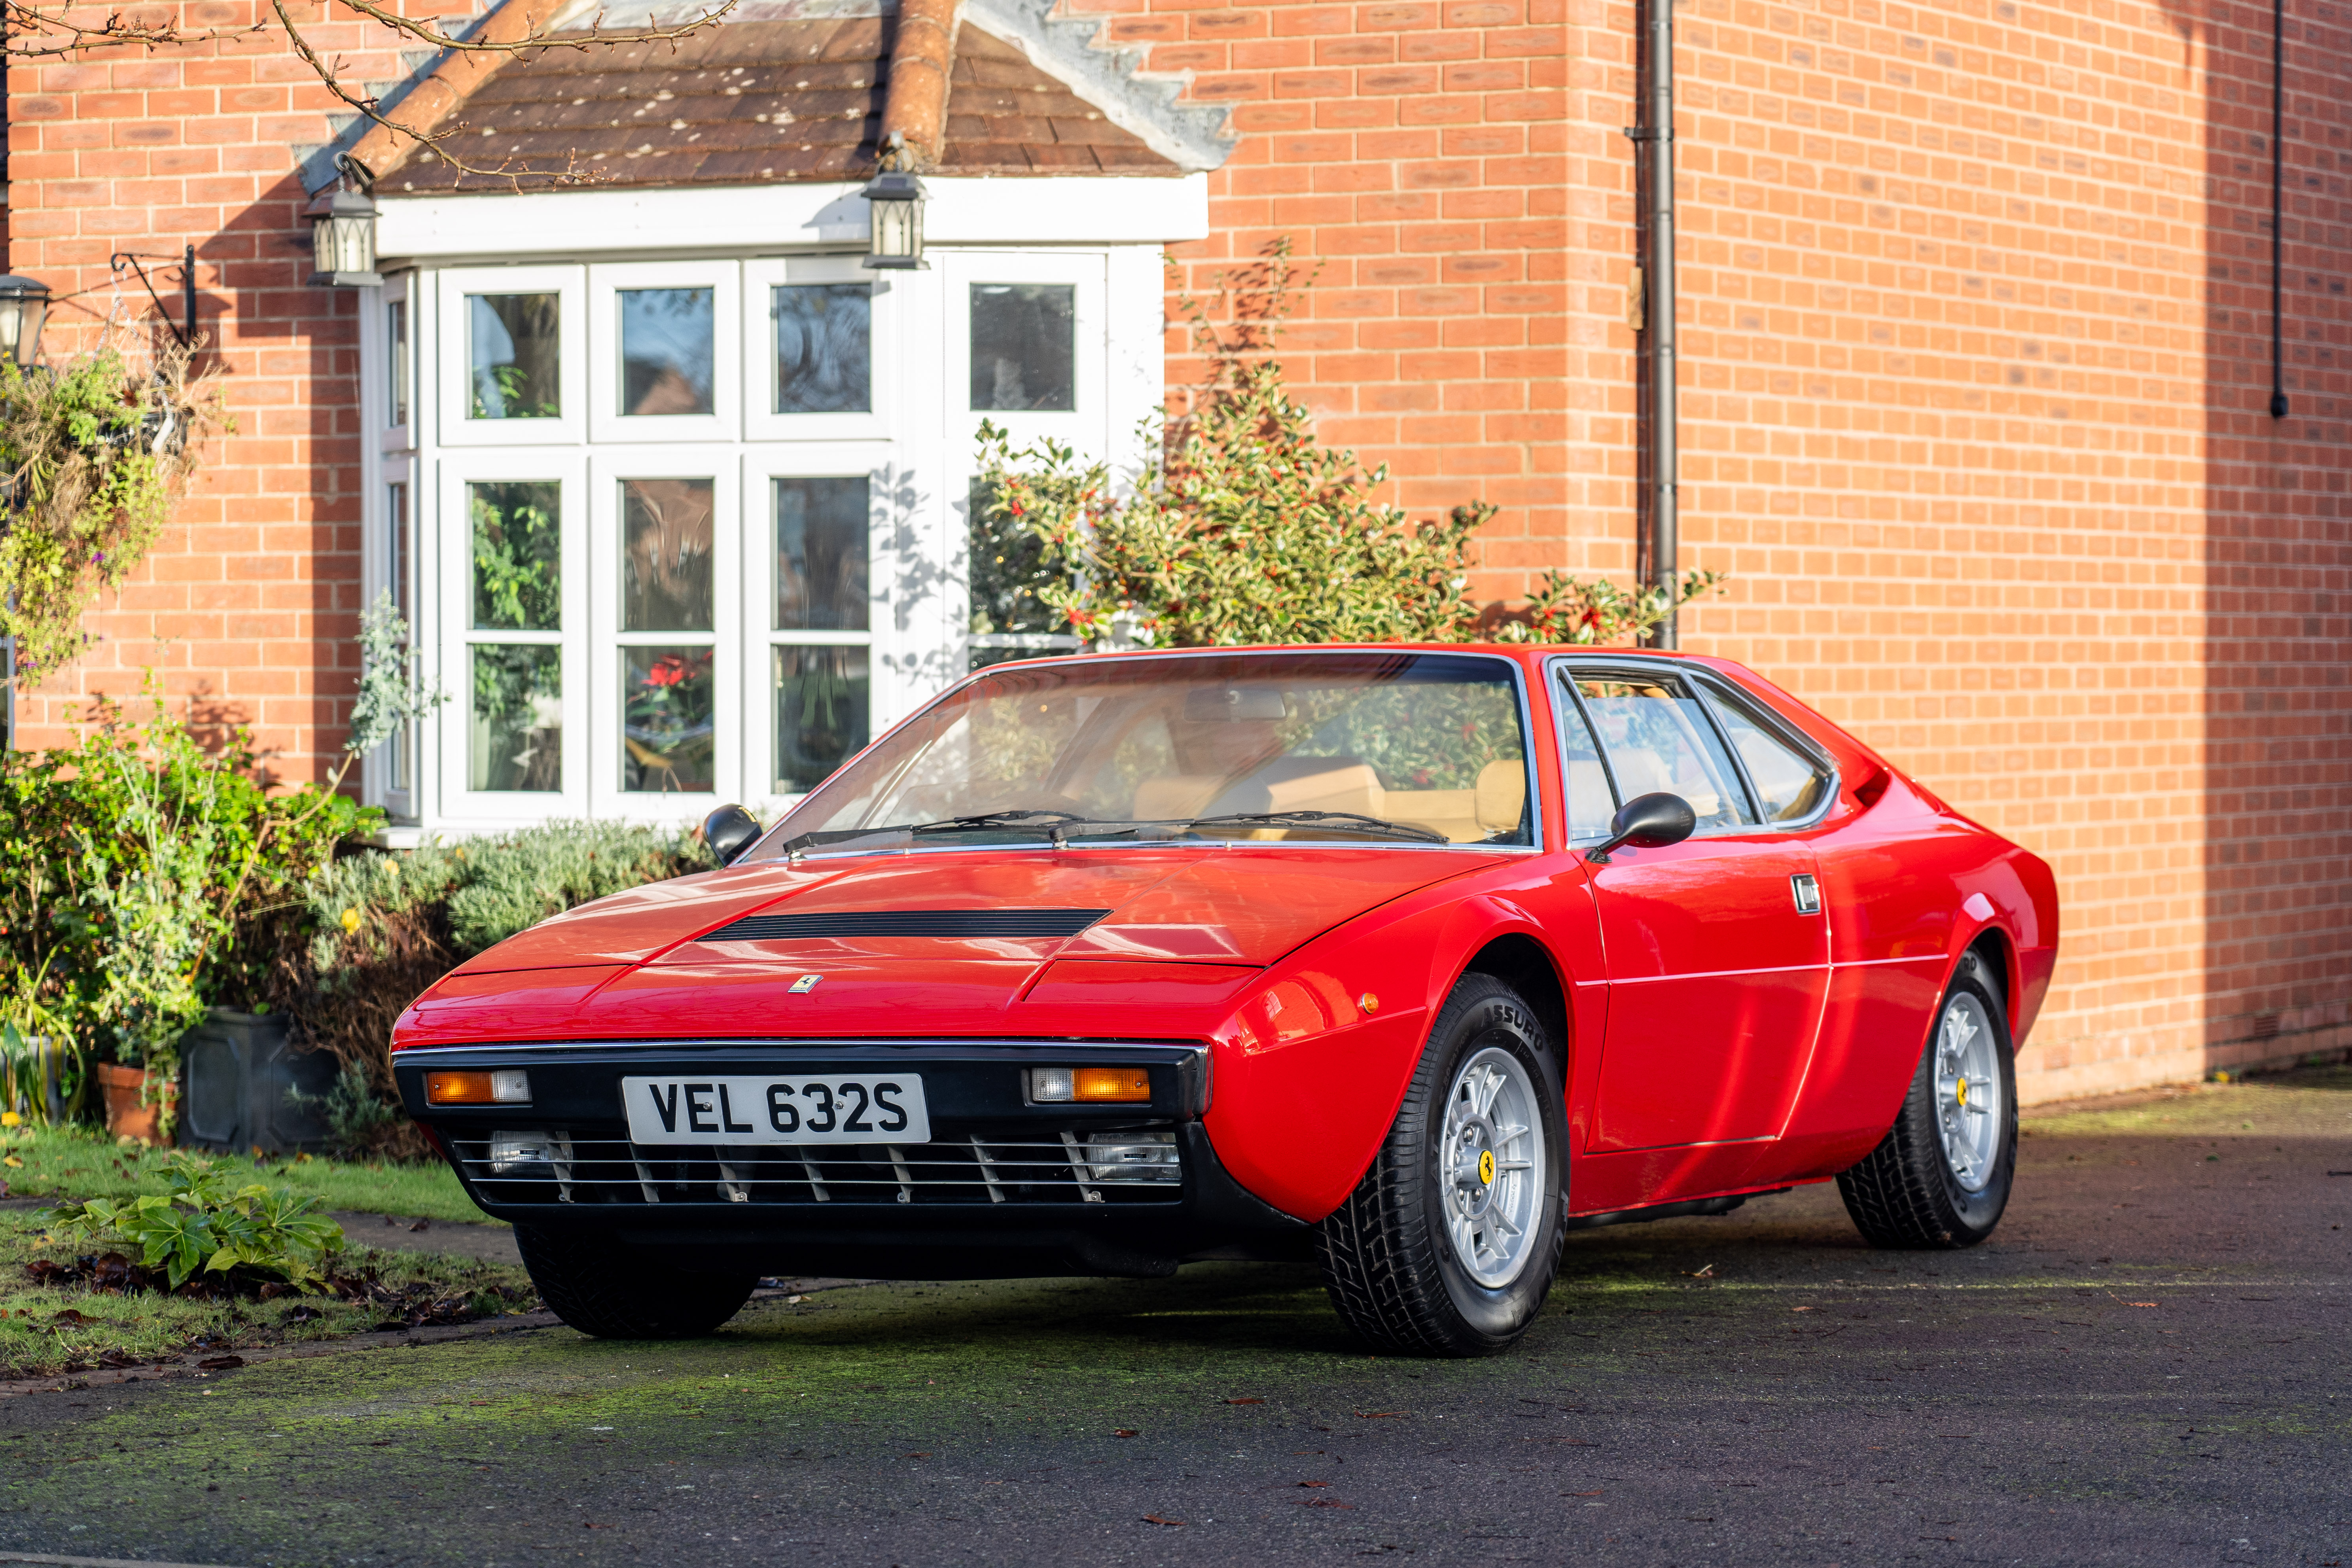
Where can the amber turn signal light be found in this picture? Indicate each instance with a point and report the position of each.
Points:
(1096, 1086)
(510, 1086)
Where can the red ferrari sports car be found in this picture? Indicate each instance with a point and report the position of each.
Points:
(1409, 960)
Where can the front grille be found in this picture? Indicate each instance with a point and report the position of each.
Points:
(1068, 1168)
(909, 922)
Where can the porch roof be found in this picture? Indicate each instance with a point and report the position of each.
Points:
(795, 96)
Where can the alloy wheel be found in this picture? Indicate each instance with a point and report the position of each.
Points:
(1970, 1114)
(1490, 1166)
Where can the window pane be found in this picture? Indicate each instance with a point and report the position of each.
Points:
(820, 528)
(821, 713)
(1789, 782)
(516, 357)
(1659, 740)
(518, 731)
(666, 555)
(824, 348)
(1024, 345)
(666, 728)
(1589, 805)
(395, 507)
(517, 554)
(665, 351)
(396, 338)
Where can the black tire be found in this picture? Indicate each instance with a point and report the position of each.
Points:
(1907, 1193)
(606, 1289)
(1391, 1270)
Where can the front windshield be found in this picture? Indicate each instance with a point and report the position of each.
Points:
(1357, 747)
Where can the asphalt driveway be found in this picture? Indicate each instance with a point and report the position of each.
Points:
(2148, 1364)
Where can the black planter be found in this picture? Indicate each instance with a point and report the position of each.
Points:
(245, 1088)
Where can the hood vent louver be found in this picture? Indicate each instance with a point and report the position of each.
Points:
(1032, 923)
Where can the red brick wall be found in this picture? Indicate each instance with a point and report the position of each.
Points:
(1975, 325)
(248, 604)
(1976, 336)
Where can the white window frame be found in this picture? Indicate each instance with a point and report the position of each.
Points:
(400, 436)
(888, 391)
(606, 423)
(892, 561)
(455, 382)
(454, 586)
(608, 468)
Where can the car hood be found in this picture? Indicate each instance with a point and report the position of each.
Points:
(1195, 921)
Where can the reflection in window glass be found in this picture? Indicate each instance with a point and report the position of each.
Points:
(1791, 784)
(517, 742)
(517, 554)
(516, 355)
(666, 737)
(824, 348)
(822, 713)
(1589, 805)
(666, 577)
(667, 336)
(1357, 747)
(821, 542)
(1007, 566)
(395, 323)
(1659, 740)
(1023, 346)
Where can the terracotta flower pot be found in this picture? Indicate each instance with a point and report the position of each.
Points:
(130, 1112)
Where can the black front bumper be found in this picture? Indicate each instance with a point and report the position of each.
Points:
(1004, 1188)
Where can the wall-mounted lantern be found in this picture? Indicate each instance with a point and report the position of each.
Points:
(342, 236)
(24, 307)
(895, 202)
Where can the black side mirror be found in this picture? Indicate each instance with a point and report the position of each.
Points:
(1647, 821)
(730, 830)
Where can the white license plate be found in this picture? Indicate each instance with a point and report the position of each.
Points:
(830, 1108)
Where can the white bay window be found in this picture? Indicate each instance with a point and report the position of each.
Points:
(676, 530)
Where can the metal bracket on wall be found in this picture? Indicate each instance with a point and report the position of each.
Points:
(185, 333)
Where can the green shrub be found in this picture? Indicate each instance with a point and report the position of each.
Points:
(1243, 527)
(140, 869)
(380, 928)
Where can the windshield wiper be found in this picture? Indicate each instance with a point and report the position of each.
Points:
(1348, 820)
(1041, 817)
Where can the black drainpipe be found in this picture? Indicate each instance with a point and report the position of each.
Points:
(2278, 185)
(1654, 142)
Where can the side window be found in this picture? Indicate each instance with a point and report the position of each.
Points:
(1658, 738)
(1589, 803)
(1789, 784)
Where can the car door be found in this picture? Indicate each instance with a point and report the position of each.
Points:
(1717, 949)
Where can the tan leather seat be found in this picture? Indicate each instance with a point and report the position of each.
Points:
(1308, 783)
(1502, 794)
(1174, 796)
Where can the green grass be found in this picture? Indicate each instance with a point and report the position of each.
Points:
(2310, 1102)
(35, 1340)
(72, 1163)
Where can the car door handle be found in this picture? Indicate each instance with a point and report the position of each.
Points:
(1807, 892)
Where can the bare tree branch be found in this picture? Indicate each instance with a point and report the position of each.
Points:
(37, 31)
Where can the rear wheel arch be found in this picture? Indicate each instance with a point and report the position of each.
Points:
(1993, 958)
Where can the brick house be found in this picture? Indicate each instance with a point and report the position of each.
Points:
(1976, 327)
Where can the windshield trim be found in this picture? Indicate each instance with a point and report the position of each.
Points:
(1076, 845)
(1520, 684)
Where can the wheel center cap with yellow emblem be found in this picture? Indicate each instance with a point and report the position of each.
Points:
(1486, 1167)
(1962, 1092)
